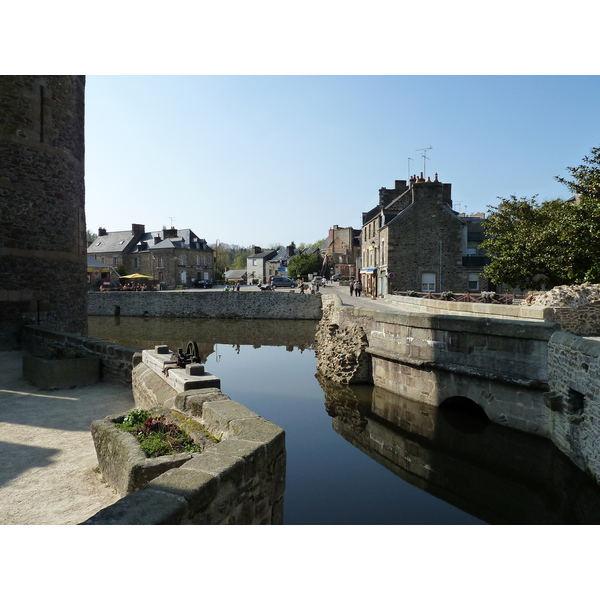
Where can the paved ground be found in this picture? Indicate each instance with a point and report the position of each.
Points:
(48, 456)
(47, 472)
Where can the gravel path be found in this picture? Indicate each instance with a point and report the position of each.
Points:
(47, 472)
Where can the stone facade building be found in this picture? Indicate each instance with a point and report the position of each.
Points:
(172, 257)
(341, 252)
(414, 240)
(278, 265)
(42, 205)
(256, 265)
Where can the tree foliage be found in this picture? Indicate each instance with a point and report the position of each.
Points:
(305, 263)
(534, 246)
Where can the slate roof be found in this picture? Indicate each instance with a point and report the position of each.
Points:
(125, 241)
(266, 255)
(114, 241)
(235, 274)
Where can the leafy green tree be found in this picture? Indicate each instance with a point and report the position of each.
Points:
(586, 177)
(305, 263)
(534, 246)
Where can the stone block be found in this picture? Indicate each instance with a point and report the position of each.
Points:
(123, 464)
(49, 374)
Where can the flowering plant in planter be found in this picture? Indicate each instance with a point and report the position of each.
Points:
(156, 435)
(447, 295)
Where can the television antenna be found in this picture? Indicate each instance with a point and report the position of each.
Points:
(424, 155)
(408, 178)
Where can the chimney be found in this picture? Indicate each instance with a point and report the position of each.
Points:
(101, 231)
(157, 239)
(257, 250)
(169, 233)
(137, 229)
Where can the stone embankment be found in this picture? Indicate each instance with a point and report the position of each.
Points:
(239, 480)
(525, 374)
(206, 305)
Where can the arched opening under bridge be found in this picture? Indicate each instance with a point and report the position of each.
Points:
(464, 414)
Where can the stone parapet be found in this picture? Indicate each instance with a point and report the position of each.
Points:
(238, 481)
(206, 305)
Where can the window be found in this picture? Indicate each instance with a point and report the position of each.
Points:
(428, 282)
(473, 282)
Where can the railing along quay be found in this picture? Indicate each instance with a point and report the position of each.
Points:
(481, 298)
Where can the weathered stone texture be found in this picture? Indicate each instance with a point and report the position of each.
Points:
(239, 480)
(574, 400)
(42, 204)
(207, 305)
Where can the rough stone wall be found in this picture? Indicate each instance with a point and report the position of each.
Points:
(341, 349)
(238, 481)
(116, 361)
(42, 205)
(419, 236)
(501, 365)
(215, 305)
(574, 399)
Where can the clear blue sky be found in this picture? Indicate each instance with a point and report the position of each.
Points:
(275, 159)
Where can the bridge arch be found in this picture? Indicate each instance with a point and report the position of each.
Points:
(464, 414)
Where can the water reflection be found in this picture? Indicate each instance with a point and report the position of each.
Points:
(372, 457)
(499, 475)
(145, 333)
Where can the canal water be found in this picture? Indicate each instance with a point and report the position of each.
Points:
(357, 455)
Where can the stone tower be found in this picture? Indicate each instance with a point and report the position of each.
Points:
(42, 205)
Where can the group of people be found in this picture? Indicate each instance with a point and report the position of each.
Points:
(233, 288)
(314, 287)
(355, 288)
(135, 287)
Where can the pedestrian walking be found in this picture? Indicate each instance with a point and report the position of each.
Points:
(351, 287)
(358, 288)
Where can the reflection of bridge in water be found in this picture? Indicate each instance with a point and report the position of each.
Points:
(497, 474)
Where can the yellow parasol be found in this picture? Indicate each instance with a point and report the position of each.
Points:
(136, 276)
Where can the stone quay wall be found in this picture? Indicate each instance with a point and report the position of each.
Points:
(238, 481)
(206, 305)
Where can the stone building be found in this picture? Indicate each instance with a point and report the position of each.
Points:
(278, 265)
(341, 252)
(172, 257)
(42, 205)
(414, 240)
(256, 265)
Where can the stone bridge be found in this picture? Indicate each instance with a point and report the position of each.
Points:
(522, 373)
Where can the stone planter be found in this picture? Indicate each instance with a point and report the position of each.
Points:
(53, 374)
(124, 465)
